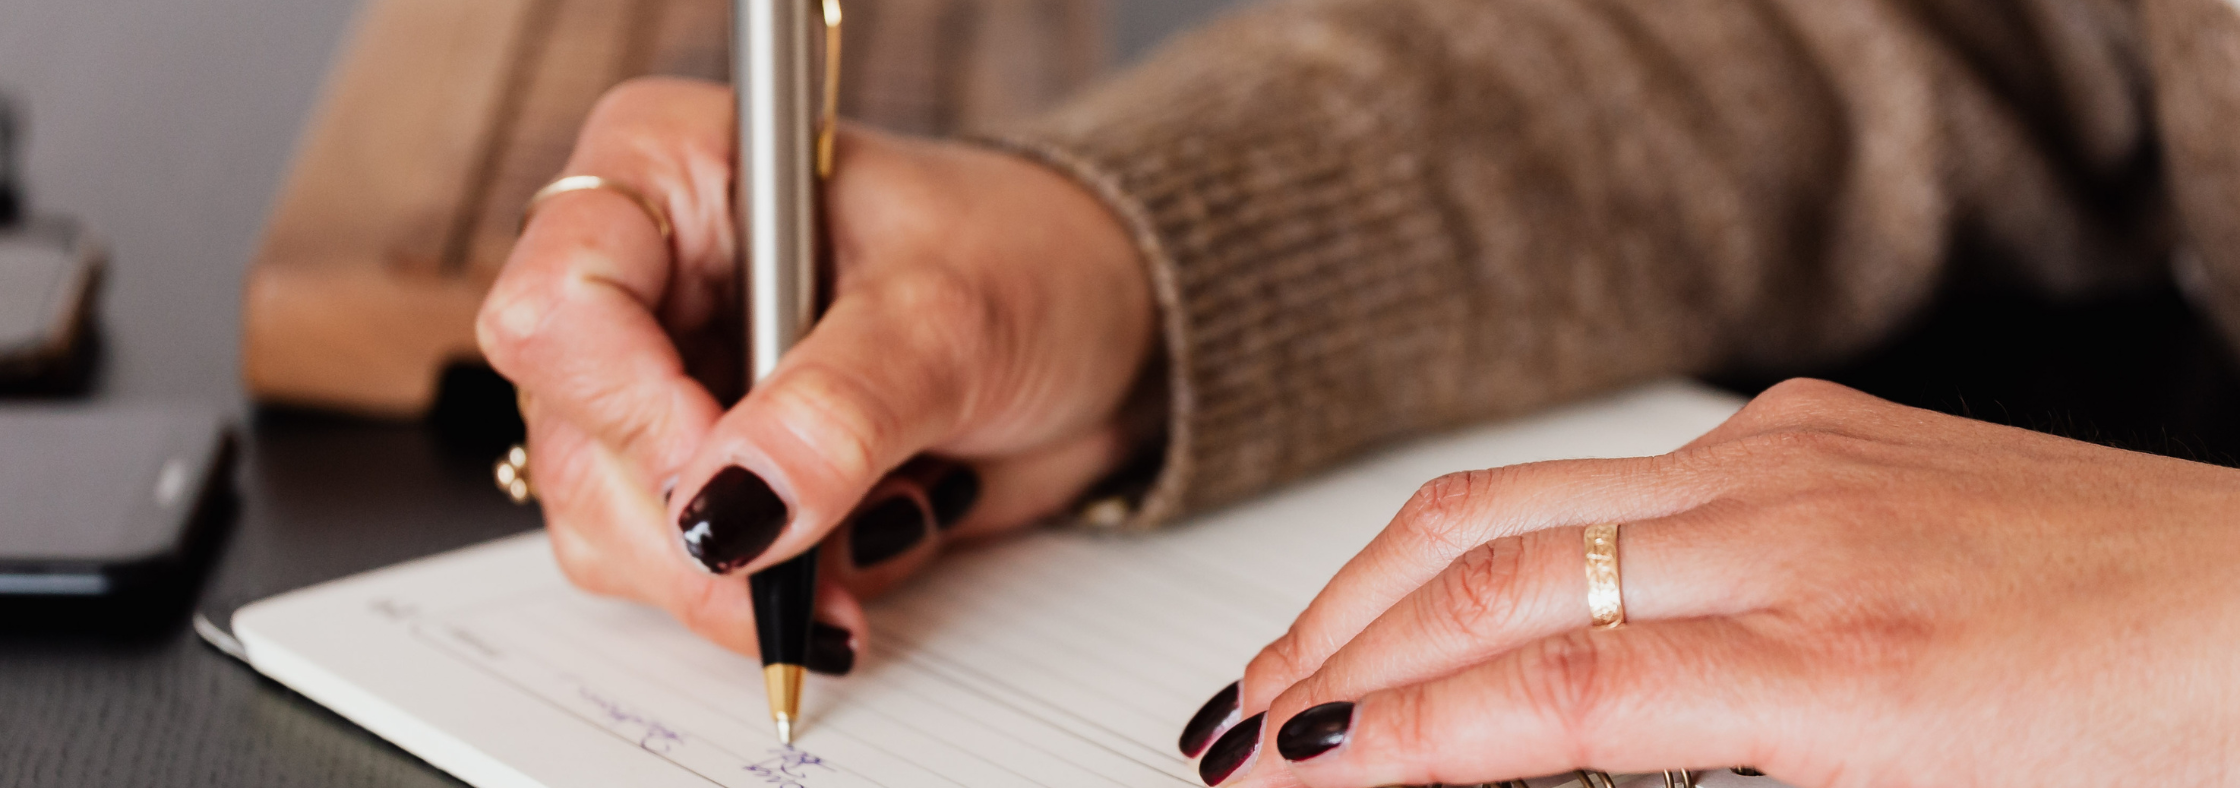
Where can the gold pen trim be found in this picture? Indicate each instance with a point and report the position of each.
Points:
(783, 683)
(828, 130)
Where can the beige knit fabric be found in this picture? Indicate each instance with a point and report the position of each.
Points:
(1371, 218)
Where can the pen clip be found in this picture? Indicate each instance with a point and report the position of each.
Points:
(828, 128)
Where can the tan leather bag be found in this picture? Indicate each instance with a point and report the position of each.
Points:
(442, 117)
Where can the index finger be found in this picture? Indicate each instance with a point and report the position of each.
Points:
(1445, 519)
(584, 311)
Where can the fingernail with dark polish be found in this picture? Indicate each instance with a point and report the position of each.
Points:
(886, 530)
(831, 650)
(1233, 751)
(1217, 714)
(1315, 731)
(953, 496)
(733, 519)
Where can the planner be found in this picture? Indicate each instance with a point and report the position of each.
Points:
(1060, 658)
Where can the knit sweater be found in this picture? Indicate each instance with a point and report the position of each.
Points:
(1366, 219)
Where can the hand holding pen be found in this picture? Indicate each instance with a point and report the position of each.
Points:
(985, 310)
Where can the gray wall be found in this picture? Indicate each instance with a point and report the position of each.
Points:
(166, 125)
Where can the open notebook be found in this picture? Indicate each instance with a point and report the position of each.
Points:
(1059, 659)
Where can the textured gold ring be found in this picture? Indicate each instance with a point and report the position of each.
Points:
(1606, 600)
(582, 183)
(513, 474)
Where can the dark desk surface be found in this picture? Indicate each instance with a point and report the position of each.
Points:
(317, 498)
(168, 124)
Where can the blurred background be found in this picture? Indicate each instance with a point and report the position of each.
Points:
(167, 127)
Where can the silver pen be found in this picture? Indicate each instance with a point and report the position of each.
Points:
(785, 151)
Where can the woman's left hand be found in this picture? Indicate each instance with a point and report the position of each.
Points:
(1835, 589)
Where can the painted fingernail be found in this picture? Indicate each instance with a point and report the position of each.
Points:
(1217, 714)
(733, 519)
(886, 530)
(832, 649)
(953, 496)
(1315, 731)
(1233, 751)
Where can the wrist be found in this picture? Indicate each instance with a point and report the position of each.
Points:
(1111, 282)
(1099, 321)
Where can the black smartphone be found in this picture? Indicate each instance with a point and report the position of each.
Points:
(102, 502)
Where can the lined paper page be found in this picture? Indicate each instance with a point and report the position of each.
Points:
(1059, 659)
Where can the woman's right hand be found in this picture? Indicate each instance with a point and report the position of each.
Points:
(987, 311)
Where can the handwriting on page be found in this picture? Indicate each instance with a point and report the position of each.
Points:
(777, 767)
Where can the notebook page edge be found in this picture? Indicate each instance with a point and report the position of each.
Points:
(407, 731)
(394, 703)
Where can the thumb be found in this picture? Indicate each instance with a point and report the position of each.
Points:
(860, 395)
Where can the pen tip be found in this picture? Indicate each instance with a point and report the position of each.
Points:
(784, 684)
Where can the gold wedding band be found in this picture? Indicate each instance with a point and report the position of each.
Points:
(1606, 601)
(581, 183)
(513, 474)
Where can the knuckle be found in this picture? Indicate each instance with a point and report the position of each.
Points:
(667, 127)
(933, 290)
(635, 99)
(1799, 402)
(1794, 447)
(699, 607)
(959, 319)
(1442, 509)
(630, 94)
(1480, 592)
(1404, 727)
(1565, 680)
(1796, 392)
(505, 324)
(626, 420)
(845, 418)
(580, 562)
(1872, 645)
(1283, 662)
(1810, 442)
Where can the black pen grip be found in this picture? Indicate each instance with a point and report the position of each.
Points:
(785, 602)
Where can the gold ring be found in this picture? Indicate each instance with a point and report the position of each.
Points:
(1606, 601)
(513, 474)
(581, 183)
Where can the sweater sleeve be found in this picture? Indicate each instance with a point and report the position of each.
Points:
(1366, 219)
